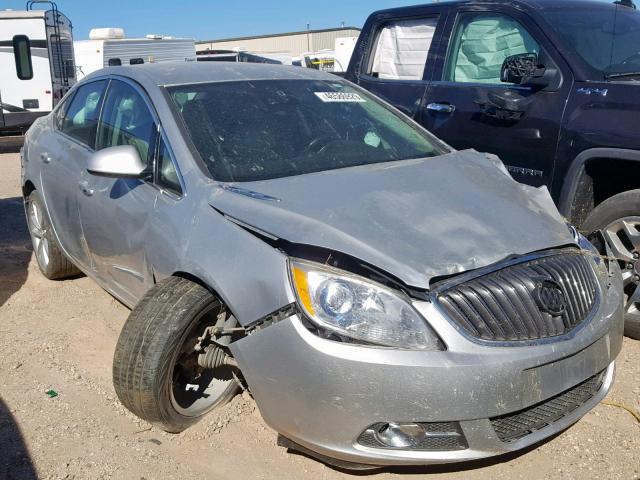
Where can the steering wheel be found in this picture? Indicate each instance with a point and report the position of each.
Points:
(318, 144)
(630, 59)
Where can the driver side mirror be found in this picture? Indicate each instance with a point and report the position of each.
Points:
(523, 69)
(122, 161)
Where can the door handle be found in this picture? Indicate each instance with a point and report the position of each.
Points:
(441, 107)
(86, 188)
(45, 157)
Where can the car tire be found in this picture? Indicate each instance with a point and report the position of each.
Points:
(53, 263)
(156, 341)
(618, 218)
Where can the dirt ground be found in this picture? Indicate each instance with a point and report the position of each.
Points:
(61, 336)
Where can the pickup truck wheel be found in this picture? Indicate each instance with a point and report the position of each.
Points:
(619, 219)
(52, 262)
(157, 372)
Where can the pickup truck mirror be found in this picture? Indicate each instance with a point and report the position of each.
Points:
(122, 161)
(523, 69)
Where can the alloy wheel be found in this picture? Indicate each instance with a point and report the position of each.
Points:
(38, 227)
(623, 236)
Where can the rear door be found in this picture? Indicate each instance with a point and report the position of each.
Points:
(467, 105)
(63, 153)
(396, 53)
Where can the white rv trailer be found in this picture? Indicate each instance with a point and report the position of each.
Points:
(36, 64)
(109, 47)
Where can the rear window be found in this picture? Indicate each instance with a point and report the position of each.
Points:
(401, 49)
(81, 117)
(257, 130)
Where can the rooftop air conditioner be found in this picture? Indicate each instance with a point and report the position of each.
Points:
(106, 33)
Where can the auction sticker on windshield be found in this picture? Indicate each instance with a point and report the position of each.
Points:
(339, 97)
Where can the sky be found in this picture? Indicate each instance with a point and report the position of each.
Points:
(210, 20)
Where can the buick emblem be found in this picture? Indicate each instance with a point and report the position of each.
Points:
(550, 297)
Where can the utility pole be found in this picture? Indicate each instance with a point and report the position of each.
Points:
(308, 37)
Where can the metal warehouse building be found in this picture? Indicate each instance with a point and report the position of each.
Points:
(294, 43)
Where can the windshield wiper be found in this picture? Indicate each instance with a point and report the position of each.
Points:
(621, 75)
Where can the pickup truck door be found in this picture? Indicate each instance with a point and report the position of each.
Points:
(394, 56)
(467, 105)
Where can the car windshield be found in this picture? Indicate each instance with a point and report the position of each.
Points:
(258, 130)
(606, 37)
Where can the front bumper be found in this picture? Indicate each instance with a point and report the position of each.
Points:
(323, 394)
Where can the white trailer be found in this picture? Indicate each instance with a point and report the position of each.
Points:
(343, 50)
(36, 64)
(108, 47)
(334, 61)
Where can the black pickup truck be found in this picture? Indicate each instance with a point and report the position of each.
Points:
(550, 86)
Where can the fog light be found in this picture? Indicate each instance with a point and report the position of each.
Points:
(401, 435)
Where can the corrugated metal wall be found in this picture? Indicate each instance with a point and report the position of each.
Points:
(156, 51)
(294, 44)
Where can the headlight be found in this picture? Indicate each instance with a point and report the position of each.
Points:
(358, 308)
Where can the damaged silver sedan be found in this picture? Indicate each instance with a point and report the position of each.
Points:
(384, 298)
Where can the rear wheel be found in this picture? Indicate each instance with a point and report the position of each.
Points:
(158, 370)
(619, 219)
(52, 262)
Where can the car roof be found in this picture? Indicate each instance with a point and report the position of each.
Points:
(526, 4)
(177, 73)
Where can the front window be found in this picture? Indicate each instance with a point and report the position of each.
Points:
(126, 120)
(481, 43)
(606, 36)
(258, 130)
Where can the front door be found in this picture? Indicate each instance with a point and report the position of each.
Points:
(398, 60)
(64, 150)
(467, 105)
(115, 212)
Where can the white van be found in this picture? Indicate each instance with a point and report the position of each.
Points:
(37, 64)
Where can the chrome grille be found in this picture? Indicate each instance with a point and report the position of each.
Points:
(508, 304)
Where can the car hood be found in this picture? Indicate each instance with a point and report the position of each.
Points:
(414, 219)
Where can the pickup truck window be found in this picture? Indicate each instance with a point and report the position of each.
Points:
(401, 49)
(605, 38)
(480, 44)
